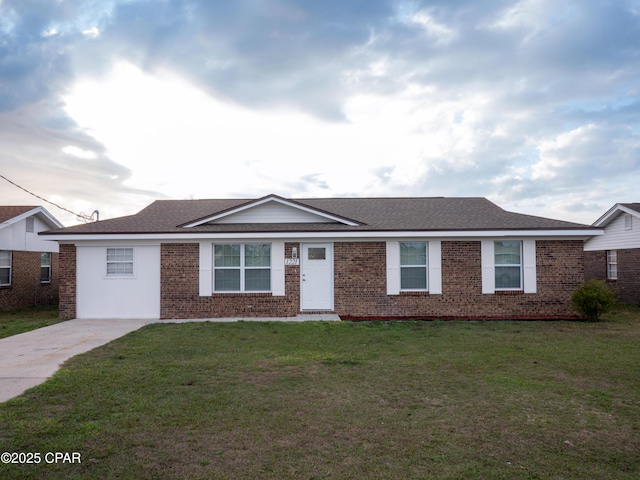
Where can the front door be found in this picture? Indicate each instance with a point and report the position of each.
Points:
(316, 290)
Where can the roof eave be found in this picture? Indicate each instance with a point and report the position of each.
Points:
(579, 233)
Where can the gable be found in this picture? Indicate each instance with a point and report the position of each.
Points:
(271, 210)
(621, 231)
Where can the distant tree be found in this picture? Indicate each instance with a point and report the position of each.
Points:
(593, 298)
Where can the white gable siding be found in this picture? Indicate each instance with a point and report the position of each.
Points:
(616, 236)
(273, 212)
(16, 237)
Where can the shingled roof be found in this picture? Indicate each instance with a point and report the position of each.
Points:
(369, 215)
(7, 212)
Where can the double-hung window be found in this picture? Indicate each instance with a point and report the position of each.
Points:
(45, 267)
(119, 262)
(612, 264)
(508, 265)
(242, 267)
(5, 267)
(413, 266)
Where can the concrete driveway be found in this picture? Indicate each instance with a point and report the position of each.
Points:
(28, 359)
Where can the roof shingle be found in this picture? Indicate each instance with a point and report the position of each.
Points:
(374, 214)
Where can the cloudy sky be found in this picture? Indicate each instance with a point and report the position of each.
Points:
(111, 104)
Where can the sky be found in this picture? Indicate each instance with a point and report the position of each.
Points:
(111, 104)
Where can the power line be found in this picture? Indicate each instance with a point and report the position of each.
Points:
(80, 216)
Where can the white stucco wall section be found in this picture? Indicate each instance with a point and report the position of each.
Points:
(102, 296)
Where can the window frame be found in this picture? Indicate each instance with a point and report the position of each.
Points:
(120, 262)
(612, 264)
(424, 266)
(9, 267)
(242, 268)
(43, 266)
(628, 221)
(519, 265)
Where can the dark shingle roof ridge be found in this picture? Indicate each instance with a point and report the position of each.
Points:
(632, 205)
(7, 212)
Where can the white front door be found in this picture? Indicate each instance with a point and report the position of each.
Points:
(316, 290)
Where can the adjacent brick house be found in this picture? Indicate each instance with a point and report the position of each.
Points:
(28, 263)
(615, 256)
(354, 257)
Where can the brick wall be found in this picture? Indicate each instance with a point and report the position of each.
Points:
(360, 286)
(26, 289)
(628, 282)
(67, 281)
(595, 265)
(179, 297)
(629, 276)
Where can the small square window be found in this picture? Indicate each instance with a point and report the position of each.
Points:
(317, 253)
(119, 262)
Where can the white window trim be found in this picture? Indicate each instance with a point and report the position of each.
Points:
(612, 254)
(243, 268)
(10, 267)
(120, 275)
(46, 266)
(434, 267)
(519, 265)
(528, 267)
(424, 266)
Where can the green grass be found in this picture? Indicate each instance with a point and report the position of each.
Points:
(22, 320)
(452, 400)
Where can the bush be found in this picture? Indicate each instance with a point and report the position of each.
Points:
(593, 298)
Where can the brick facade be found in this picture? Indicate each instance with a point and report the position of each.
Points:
(67, 276)
(628, 282)
(26, 288)
(360, 286)
(179, 297)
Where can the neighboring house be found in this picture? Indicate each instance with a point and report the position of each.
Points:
(615, 256)
(355, 257)
(28, 263)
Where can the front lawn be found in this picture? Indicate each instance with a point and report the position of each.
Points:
(24, 319)
(387, 400)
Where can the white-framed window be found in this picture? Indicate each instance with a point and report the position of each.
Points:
(628, 221)
(242, 267)
(5, 267)
(612, 264)
(414, 267)
(45, 267)
(120, 262)
(508, 265)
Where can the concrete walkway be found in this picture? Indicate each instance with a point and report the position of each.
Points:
(29, 358)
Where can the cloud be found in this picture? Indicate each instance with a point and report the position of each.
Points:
(61, 164)
(528, 102)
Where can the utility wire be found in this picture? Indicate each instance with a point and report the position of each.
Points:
(80, 216)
